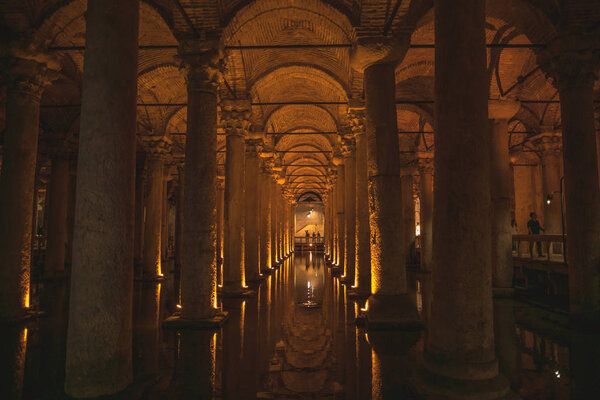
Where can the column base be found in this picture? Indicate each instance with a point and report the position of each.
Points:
(233, 293)
(503, 292)
(176, 321)
(392, 312)
(357, 293)
(158, 278)
(432, 385)
(27, 316)
(57, 276)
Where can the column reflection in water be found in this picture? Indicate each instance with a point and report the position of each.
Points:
(195, 372)
(12, 361)
(309, 281)
(146, 329)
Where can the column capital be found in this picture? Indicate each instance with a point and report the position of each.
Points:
(254, 146)
(27, 68)
(349, 147)
(369, 50)
(425, 165)
(202, 61)
(235, 116)
(571, 59)
(337, 160)
(357, 118)
(156, 146)
(502, 108)
(220, 182)
(548, 143)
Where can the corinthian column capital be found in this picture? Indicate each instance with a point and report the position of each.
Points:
(235, 117)
(202, 61)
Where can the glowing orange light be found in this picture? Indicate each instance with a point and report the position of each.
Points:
(178, 306)
(366, 307)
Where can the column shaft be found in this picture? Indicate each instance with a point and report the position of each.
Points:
(460, 337)
(233, 264)
(582, 196)
(265, 223)
(151, 265)
(274, 253)
(500, 189)
(220, 207)
(426, 186)
(350, 213)
(17, 195)
(252, 223)
(98, 360)
(58, 194)
(138, 242)
(408, 215)
(363, 231)
(341, 220)
(199, 271)
(390, 301)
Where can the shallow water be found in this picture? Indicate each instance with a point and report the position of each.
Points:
(296, 339)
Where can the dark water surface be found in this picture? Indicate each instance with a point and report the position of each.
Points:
(296, 339)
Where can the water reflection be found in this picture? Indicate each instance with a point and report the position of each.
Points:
(297, 338)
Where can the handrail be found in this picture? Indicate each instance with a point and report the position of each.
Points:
(552, 244)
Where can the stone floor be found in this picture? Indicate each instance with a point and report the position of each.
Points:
(296, 339)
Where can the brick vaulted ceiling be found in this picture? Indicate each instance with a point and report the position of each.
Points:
(301, 74)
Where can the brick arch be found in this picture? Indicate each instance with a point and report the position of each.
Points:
(287, 118)
(286, 22)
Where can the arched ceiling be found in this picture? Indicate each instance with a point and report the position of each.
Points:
(287, 73)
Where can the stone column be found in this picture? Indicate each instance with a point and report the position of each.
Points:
(156, 148)
(58, 195)
(25, 80)
(235, 116)
(426, 202)
(500, 112)
(363, 231)
(408, 212)
(389, 305)
(164, 226)
(340, 218)
(459, 358)
(138, 241)
(549, 145)
(265, 223)
(274, 252)
(220, 207)
(350, 209)
(179, 232)
(252, 222)
(575, 73)
(99, 338)
(198, 271)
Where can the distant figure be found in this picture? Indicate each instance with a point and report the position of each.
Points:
(307, 236)
(533, 228)
(318, 236)
(314, 235)
(513, 227)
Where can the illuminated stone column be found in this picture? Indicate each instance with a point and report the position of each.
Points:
(252, 220)
(390, 305)
(220, 209)
(199, 270)
(501, 187)
(274, 253)
(550, 151)
(363, 231)
(426, 203)
(156, 150)
(140, 176)
(164, 223)
(349, 147)
(25, 79)
(265, 219)
(99, 338)
(459, 358)
(575, 70)
(408, 211)
(235, 116)
(179, 232)
(58, 193)
(340, 186)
